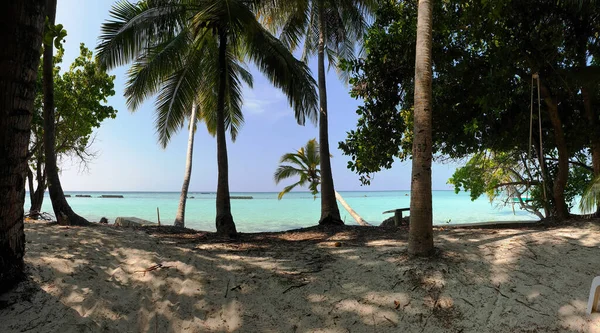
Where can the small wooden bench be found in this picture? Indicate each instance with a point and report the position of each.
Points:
(594, 296)
(397, 214)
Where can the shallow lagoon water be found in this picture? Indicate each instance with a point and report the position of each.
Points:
(297, 209)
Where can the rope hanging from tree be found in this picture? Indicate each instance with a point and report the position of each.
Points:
(536, 77)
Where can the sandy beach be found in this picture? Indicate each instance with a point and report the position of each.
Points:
(350, 279)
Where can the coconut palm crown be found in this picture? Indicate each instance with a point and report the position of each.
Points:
(304, 164)
(200, 47)
(327, 28)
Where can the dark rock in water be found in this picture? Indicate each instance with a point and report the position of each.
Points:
(389, 222)
(112, 196)
(67, 195)
(83, 196)
(241, 197)
(132, 222)
(104, 220)
(191, 197)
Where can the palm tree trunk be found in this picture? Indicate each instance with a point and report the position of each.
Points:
(180, 217)
(21, 36)
(351, 211)
(562, 175)
(420, 239)
(330, 214)
(224, 220)
(63, 212)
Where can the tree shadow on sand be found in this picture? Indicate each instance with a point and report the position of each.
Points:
(348, 279)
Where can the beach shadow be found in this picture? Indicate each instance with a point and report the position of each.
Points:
(318, 279)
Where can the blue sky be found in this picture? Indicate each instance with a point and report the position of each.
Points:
(130, 159)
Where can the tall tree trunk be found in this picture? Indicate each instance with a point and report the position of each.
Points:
(330, 214)
(30, 183)
(63, 212)
(224, 220)
(21, 26)
(351, 211)
(37, 198)
(420, 237)
(180, 217)
(594, 134)
(562, 175)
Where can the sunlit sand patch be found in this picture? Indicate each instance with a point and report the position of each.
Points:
(574, 317)
(385, 242)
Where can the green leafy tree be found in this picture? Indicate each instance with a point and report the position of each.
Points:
(330, 29)
(201, 45)
(484, 56)
(62, 210)
(80, 96)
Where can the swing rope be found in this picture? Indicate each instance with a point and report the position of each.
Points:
(536, 77)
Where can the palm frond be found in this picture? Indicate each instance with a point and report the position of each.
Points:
(274, 60)
(134, 27)
(147, 73)
(294, 158)
(286, 171)
(287, 189)
(591, 197)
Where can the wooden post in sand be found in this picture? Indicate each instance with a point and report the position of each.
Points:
(158, 214)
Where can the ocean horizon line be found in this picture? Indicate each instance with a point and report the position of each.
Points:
(214, 192)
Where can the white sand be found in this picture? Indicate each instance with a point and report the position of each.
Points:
(92, 280)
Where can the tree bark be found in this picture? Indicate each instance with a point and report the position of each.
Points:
(330, 213)
(420, 238)
(63, 212)
(180, 217)
(562, 175)
(224, 220)
(351, 211)
(30, 183)
(37, 198)
(21, 26)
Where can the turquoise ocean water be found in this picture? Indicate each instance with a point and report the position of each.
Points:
(297, 209)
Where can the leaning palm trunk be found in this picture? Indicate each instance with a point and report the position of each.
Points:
(420, 239)
(180, 217)
(351, 211)
(63, 212)
(21, 36)
(330, 214)
(224, 221)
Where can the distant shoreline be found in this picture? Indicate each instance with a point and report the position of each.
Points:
(214, 192)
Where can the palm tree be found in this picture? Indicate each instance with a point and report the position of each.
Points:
(305, 164)
(62, 210)
(420, 237)
(21, 35)
(329, 28)
(590, 199)
(201, 45)
(180, 216)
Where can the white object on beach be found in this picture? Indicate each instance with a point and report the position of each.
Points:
(594, 295)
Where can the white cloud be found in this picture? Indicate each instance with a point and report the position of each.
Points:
(262, 99)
